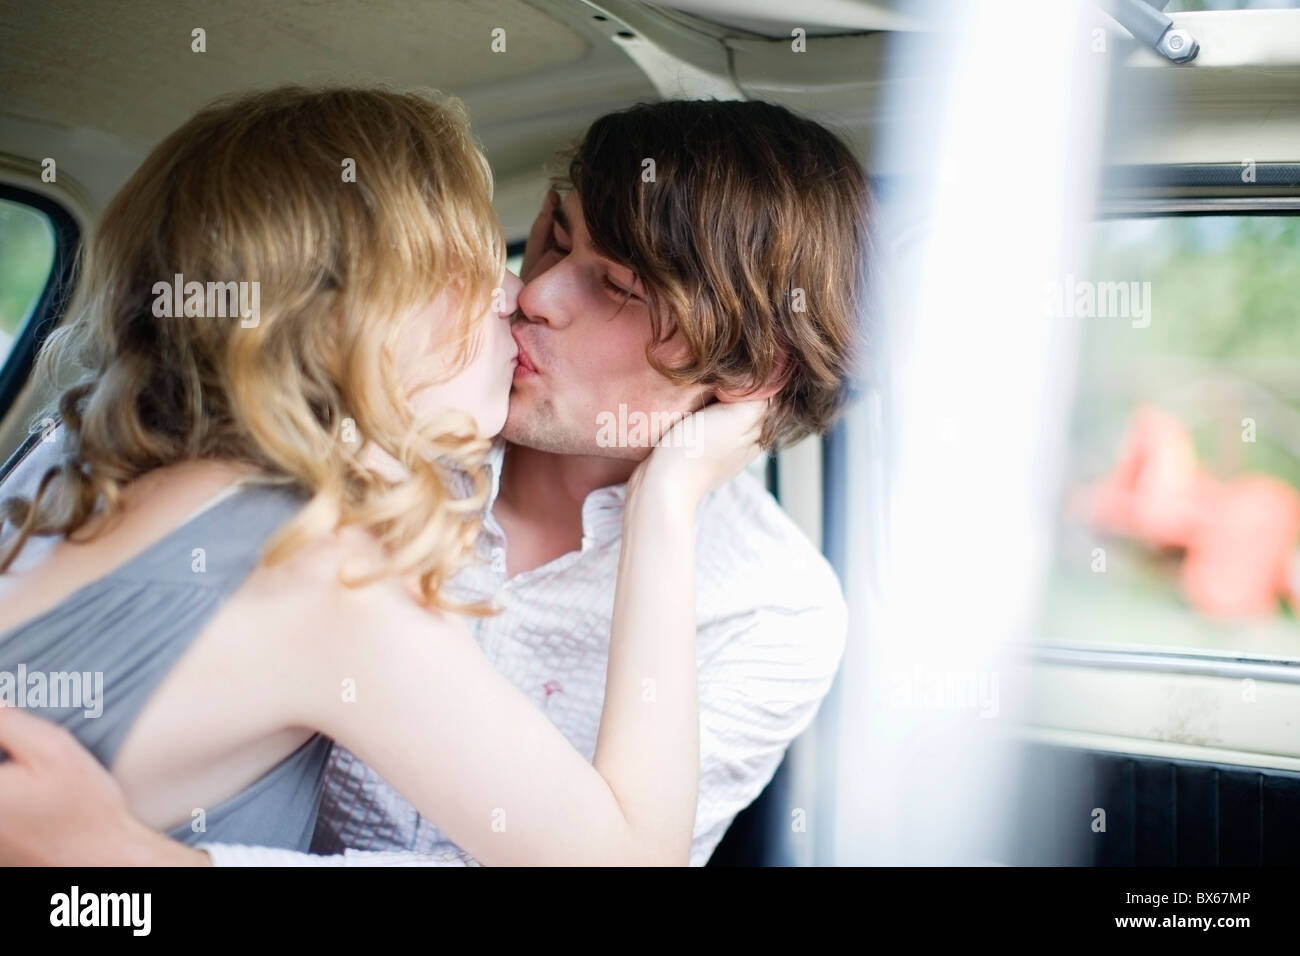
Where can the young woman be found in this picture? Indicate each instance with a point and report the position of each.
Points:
(258, 507)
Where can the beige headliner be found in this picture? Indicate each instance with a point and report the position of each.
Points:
(96, 86)
(128, 67)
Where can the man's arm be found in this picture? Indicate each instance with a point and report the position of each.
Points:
(759, 693)
(233, 855)
(60, 807)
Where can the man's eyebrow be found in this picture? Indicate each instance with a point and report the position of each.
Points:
(561, 219)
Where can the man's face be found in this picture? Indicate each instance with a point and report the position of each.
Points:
(582, 332)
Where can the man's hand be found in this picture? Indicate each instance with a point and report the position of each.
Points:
(60, 807)
(538, 235)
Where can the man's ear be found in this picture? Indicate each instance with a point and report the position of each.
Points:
(774, 383)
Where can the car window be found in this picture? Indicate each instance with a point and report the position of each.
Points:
(27, 256)
(1182, 507)
(515, 262)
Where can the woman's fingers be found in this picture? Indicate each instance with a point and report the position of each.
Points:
(708, 447)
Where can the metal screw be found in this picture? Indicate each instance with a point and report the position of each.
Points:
(1178, 45)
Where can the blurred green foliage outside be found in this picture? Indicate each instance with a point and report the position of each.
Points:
(26, 257)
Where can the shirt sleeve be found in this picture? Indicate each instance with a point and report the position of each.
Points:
(758, 693)
(33, 458)
(226, 854)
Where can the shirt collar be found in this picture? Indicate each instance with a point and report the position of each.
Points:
(602, 515)
(495, 457)
(602, 509)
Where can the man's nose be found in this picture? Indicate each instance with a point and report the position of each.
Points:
(543, 299)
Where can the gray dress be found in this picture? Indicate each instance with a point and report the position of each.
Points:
(132, 626)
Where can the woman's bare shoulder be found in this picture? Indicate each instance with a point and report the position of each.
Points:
(333, 635)
(316, 586)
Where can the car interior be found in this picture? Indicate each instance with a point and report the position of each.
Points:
(1135, 694)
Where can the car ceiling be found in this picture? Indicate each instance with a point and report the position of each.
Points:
(128, 67)
(97, 85)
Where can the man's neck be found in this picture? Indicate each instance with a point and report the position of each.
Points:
(541, 482)
(540, 498)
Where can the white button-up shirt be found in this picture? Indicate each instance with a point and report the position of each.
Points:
(771, 629)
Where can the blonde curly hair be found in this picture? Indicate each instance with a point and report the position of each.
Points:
(252, 189)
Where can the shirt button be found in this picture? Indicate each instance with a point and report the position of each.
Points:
(498, 560)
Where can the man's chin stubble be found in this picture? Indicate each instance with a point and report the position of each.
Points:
(536, 428)
(539, 430)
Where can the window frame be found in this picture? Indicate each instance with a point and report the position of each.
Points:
(1282, 176)
(1099, 721)
(16, 367)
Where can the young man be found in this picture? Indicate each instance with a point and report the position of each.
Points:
(702, 251)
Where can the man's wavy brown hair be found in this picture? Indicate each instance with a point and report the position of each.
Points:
(251, 189)
(751, 241)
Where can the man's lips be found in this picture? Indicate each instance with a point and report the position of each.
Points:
(525, 360)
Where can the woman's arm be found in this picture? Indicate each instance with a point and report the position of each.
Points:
(475, 756)
(413, 695)
(648, 747)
